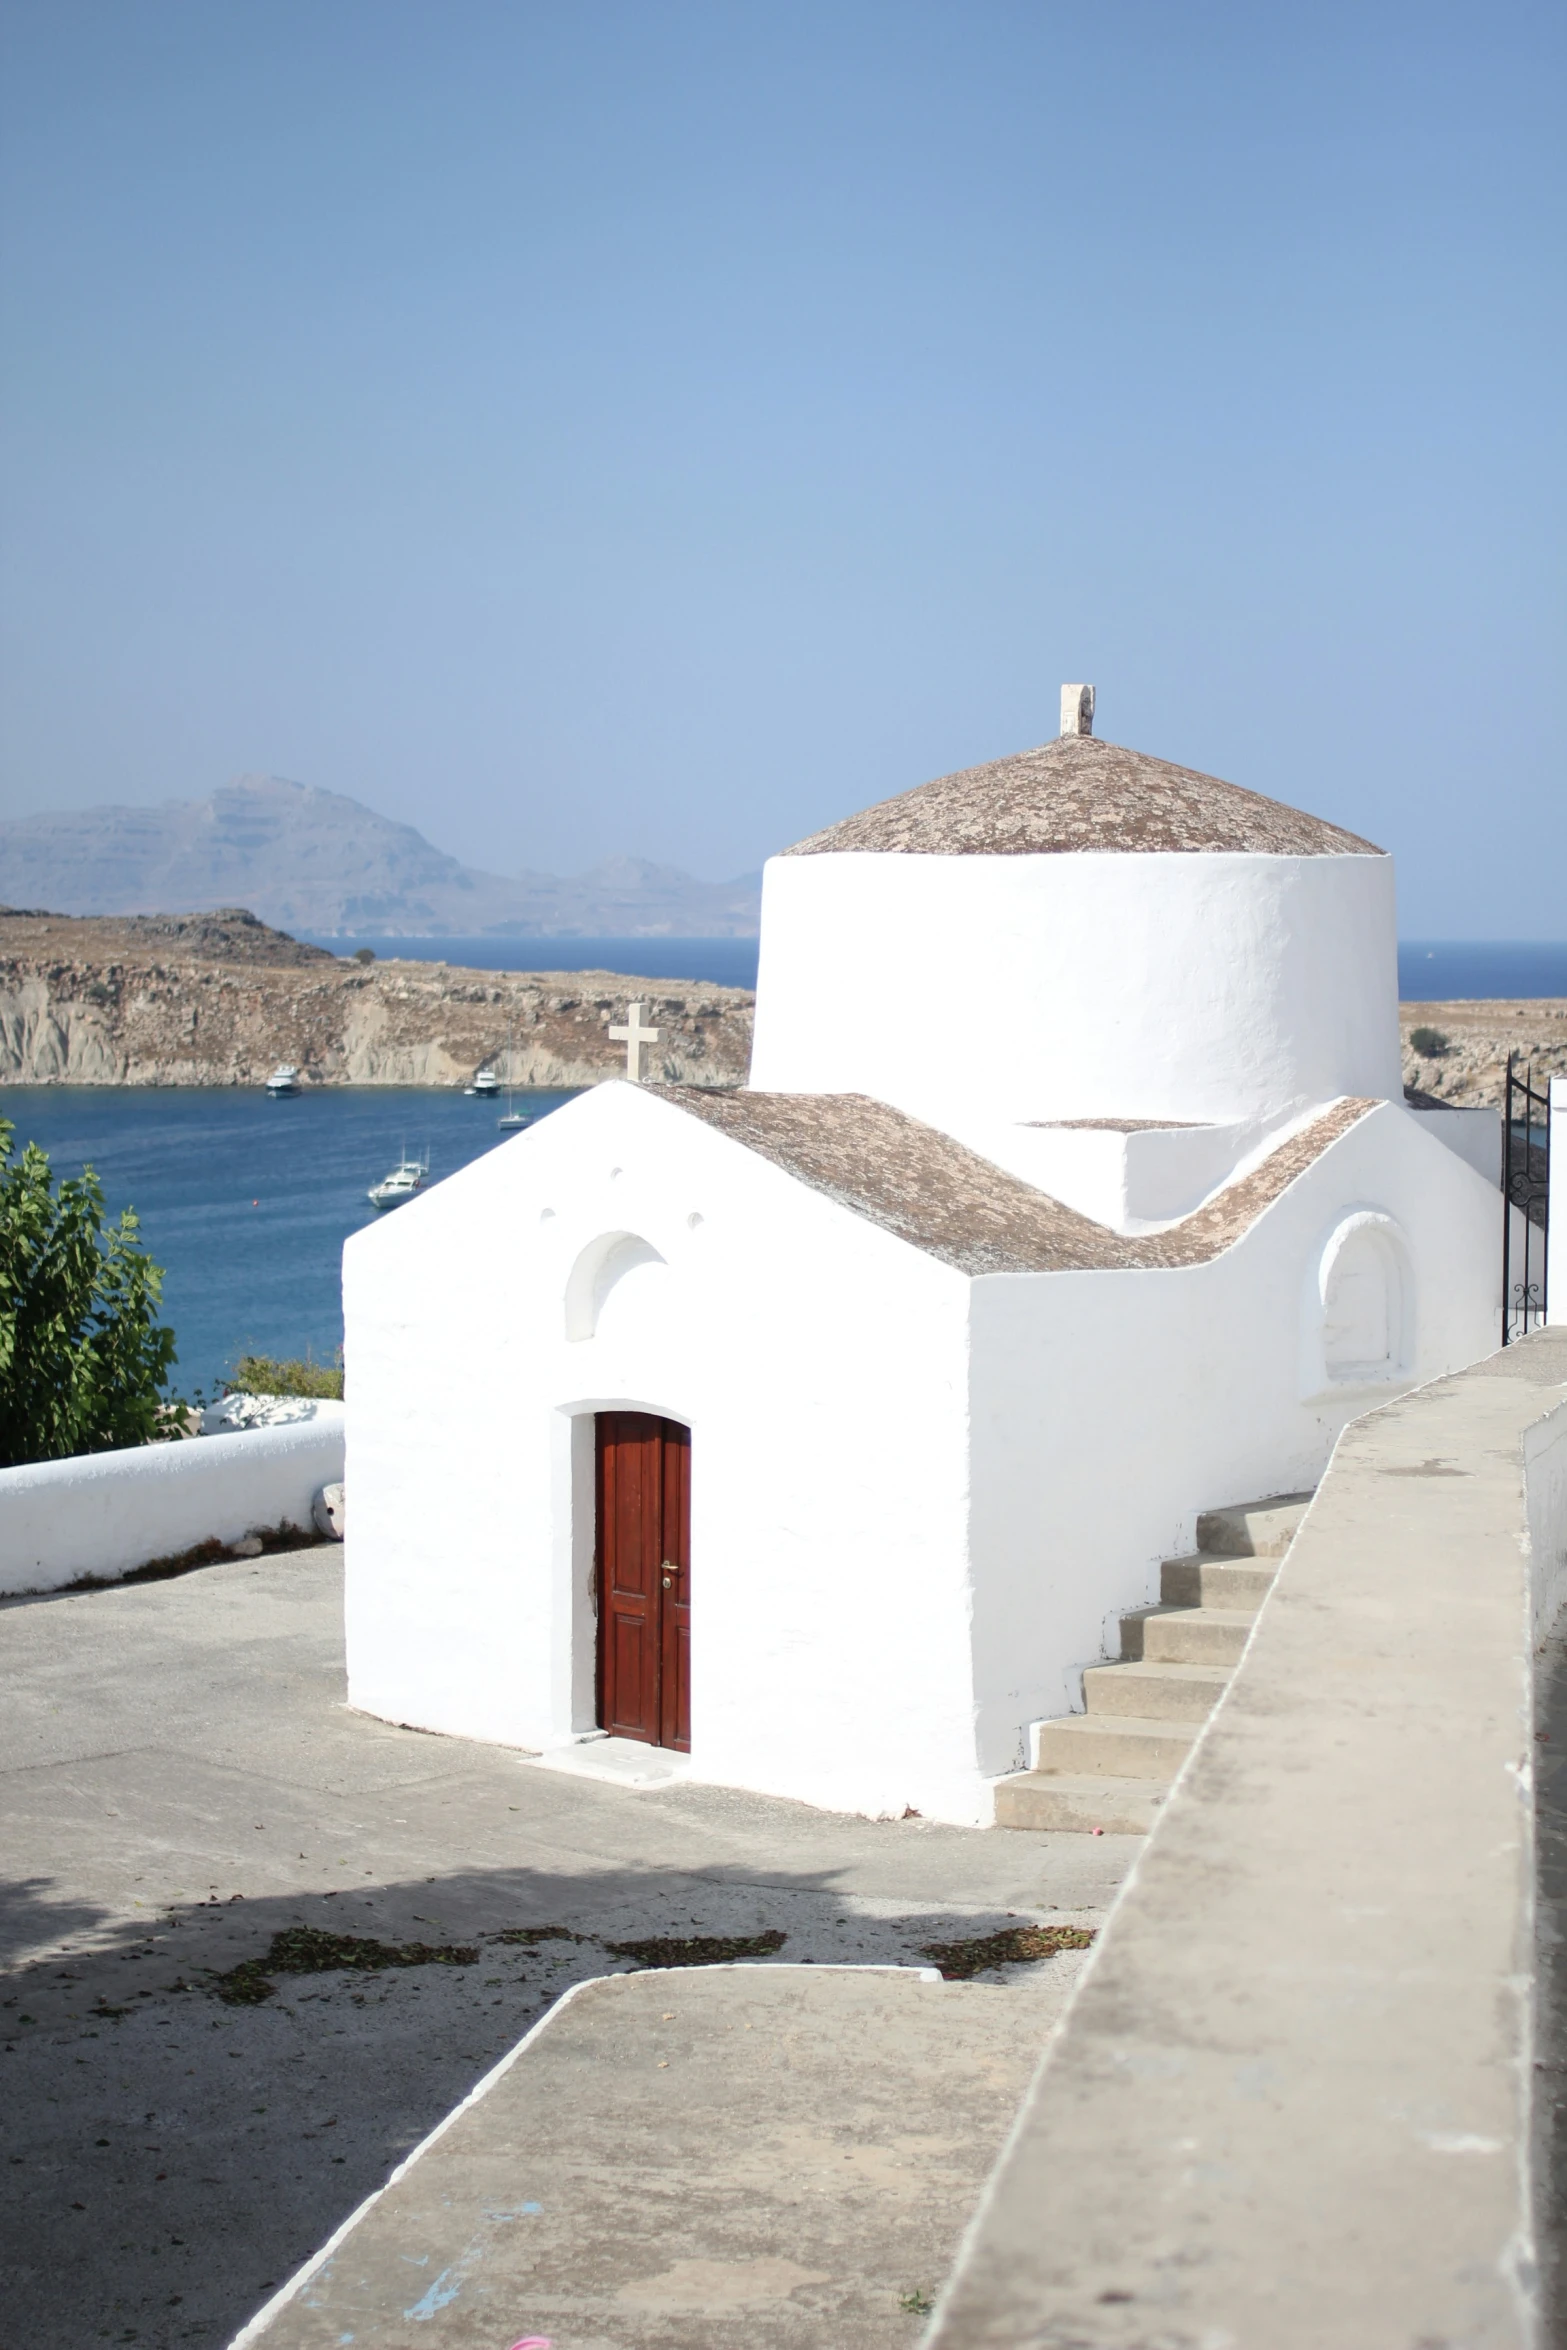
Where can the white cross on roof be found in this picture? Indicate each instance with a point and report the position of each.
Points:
(634, 1036)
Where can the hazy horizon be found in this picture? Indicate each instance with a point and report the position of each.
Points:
(661, 430)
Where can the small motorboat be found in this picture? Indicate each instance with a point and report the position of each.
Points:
(283, 1081)
(486, 1084)
(406, 1181)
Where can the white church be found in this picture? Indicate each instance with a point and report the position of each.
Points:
(818, 1432)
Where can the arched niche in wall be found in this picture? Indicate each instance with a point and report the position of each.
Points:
(599, 1271)
(1360, 1305)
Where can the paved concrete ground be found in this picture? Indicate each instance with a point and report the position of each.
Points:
(776, 2156)
(180, 1781)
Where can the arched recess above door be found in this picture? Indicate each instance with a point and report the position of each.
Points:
(598, 1272)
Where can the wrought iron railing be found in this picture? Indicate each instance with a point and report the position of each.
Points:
(1526, 1201)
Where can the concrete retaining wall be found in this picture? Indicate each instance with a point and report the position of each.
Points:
(1556, 1262)
(110, 1512)
(1292, 2102)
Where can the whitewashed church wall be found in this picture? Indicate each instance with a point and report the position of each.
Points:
(1236, 989)
(864, 1594)
(1476, 1135)
(822, 1368)
(1110, 1408)
(1128, 1181)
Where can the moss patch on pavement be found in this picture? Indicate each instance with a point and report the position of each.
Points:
(305, 1950)
(959, 1962)
(699, 1949)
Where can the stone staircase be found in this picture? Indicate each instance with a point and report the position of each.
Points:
(1111, 1766)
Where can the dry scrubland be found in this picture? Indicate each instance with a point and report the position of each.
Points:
(218, 999)
(1468, 1072)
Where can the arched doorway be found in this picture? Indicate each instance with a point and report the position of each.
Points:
(643, 1481)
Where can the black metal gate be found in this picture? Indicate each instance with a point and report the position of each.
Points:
(1526, 1201)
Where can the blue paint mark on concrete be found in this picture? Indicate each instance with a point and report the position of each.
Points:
(437, 2298)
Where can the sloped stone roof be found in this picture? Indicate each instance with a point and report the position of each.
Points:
(1079, 794)
(923, 1187)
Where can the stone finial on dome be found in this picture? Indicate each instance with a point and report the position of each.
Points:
(1077, 709)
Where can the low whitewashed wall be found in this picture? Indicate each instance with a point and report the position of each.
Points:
(107, 1513)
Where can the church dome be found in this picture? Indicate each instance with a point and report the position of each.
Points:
(1078, 795)
(1080, 934)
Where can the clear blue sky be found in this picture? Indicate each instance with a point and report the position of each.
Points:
(667, 426)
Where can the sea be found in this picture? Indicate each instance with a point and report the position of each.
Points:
(246, 1202)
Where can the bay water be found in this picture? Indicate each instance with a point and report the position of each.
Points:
(246, 1202)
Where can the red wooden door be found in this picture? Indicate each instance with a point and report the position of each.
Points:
(644, 1578)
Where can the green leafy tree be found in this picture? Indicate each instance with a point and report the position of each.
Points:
(84, 1359)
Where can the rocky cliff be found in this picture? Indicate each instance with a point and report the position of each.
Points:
(221, 999)
(1467, 1067)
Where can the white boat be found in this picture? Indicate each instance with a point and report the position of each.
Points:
(514, 1119)
(283, 1081)
(486, 1084)
(406, 1180)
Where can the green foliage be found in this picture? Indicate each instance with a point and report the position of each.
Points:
(364, 954)
(265, 1375)
(1429, 1041)
(84, 1359)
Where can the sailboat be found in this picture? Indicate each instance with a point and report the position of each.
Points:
(513, 1120)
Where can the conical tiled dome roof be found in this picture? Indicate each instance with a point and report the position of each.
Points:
(1078, 794)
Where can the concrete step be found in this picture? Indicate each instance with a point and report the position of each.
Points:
(1253, 1529)
(1209, 1579)
(1051, 1799)
(1184, 1635)
(1162, 1692)
(1112, 1746)
(1110, 1766)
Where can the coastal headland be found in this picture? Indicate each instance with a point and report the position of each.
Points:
(219, 999)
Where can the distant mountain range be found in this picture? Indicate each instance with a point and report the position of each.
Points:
(312, 860)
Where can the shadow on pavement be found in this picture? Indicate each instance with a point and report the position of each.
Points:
(169, 2157)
